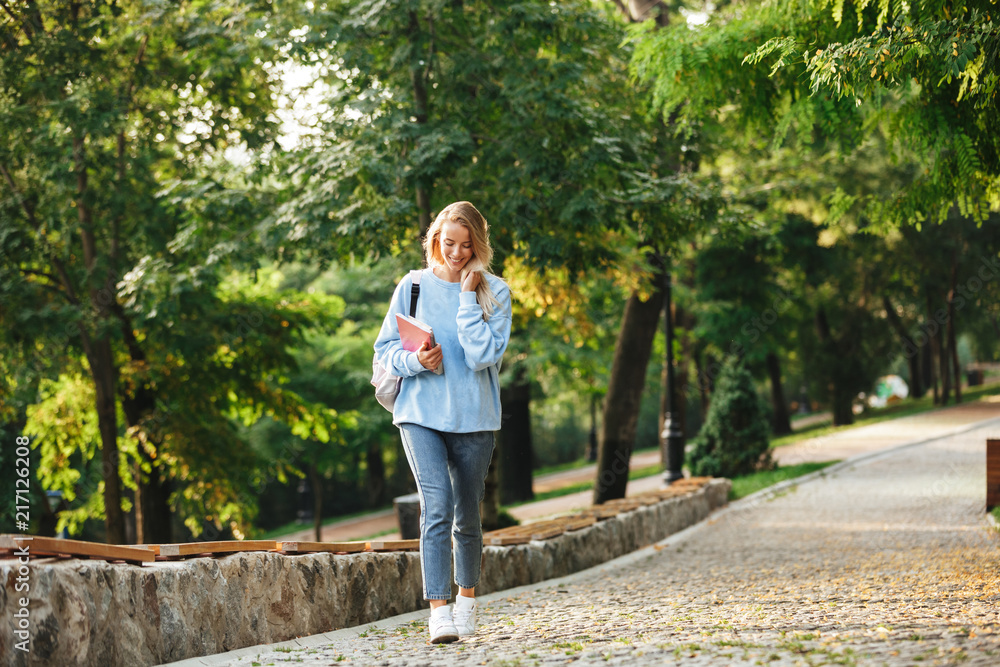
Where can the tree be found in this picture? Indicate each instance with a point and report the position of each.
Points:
(742, 308)
(734, 439)
(924, 75)
(118, 224)
(523, 107)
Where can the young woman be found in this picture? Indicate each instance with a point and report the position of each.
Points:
(447, 420)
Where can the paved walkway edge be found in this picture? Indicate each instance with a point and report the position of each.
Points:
(780, 487)
(220, 659)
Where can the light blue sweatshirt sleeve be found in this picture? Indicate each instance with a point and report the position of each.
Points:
(388, 347)
(484, 342)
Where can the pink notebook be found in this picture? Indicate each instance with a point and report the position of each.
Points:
(413, 333)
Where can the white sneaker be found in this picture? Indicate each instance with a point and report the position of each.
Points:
(465, 615)
(442, 628)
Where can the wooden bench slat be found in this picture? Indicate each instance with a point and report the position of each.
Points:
(319, 547)
(507, 540)
(546, 532)
(601, 512)
(525, 528)
(52, 546)
(228, 546)
(578, 522)
(394, 545)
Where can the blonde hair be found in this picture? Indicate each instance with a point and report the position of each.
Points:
(467, 215)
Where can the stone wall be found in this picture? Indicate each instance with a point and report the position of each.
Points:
(89, 612)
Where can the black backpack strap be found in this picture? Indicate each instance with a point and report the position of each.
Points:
(414, 292)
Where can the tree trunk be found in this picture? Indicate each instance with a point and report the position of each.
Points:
(420, 112)
(376, 474)
(944, 358)
(712, 369)
(843, 414)
(842, 400)
(954, 362)
(952, 345)
(592, 439)
(157, 519)
(637, 11)
(934, 341)
(782, 424)
(621, 405)
(934, 344)
(104, 374)
(682, 366)
(699, 368)
(317, 489)
(912, 349)
(927, 368)
(100, 357)
(152, 500)
(514, 441)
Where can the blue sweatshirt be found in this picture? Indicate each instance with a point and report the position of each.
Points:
(466, 397)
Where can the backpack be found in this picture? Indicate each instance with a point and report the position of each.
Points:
(386, 384)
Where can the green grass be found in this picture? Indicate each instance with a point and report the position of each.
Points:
(744, 486)
(996, 513)
(904, 408)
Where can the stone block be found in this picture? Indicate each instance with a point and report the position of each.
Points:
(94, 613)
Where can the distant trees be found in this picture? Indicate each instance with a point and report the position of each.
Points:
(924, 75)
(897, 101)
(117, 236)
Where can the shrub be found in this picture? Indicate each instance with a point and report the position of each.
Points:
(734, 439)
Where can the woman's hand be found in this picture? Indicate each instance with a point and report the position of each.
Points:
(429, 357)
(471, 281)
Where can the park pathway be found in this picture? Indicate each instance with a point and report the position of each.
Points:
(837, 446)
(884, 560)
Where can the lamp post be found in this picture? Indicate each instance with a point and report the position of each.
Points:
(671, 438)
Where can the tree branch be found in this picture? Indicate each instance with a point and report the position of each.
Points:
(138, 61)
(483, 137)
(83, 211)
(624, 10)
(43, 274)
(33, 221)
(127, 97)
(22, 200)
(36, 16)
(52, 286)
(23, 22)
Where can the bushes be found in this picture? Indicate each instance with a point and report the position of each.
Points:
(734, 439)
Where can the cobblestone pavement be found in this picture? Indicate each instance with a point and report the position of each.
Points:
(888, 561)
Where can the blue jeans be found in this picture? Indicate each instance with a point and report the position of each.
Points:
(450, 470)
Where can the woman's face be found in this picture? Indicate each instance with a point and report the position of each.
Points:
(456, 245)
